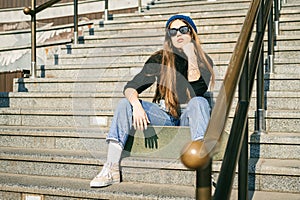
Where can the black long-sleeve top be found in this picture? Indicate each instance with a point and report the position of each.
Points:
(150, 74)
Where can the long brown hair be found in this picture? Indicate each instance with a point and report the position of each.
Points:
(167, 84)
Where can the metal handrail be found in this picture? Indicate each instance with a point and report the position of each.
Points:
(241, 70)
(33, 10)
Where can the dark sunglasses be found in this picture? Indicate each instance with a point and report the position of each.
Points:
(182, 29)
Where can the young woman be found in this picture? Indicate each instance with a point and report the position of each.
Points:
(182, 72)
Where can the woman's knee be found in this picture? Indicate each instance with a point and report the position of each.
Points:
(124, 103)
(198, 102)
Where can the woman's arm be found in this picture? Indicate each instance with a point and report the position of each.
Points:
(138, 84)
(140, 119)
(193, 69)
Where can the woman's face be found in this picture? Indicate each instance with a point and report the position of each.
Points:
(180, 39)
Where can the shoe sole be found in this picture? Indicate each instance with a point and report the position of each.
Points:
(103, 185)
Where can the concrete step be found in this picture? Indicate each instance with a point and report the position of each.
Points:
(273, 145)
(211, 41)
(131, 28)
(273, 82)
(148, 39)
(62, 188)
(217, 55)
(265, 174)
(288, 41)
(288, 52)
(276, 120)
(288, 22)
(291, 6)
(107, 70)
(234, 21)
(277, 167)
(205, 6)
(282, 65)
(85, 165)
(289, 30)
(196, 11)
(55, 138)
(107, 101)
(166, 3)
(124, 69)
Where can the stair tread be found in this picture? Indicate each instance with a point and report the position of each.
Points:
(126, 78)
(69, 132)
(85, 157)
(80, 188)
(268, 138)
(102, 112)
(270, 94)
(260, 166)
(72, 187)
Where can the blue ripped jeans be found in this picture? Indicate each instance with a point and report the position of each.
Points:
(196, 116)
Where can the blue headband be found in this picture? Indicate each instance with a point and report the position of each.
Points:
(185, 18)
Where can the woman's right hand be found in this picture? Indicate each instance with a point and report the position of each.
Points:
(140, 118)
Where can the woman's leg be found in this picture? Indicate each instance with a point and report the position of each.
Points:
(196, 116)
(121, 125)
(120, 129)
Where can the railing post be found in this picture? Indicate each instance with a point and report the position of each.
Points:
(106, 10)
(277, 9)
(203, 183)
(33, 40)
(139, 6)
(260, 104)
(75, 21)
(243, 160)
(271, 42)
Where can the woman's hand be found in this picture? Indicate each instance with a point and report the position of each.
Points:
(189, 50)
(140, 119)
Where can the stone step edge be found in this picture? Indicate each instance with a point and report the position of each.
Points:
(205, 14)
(79, 188)
(99, 133)
(275, 138)
(71, 187)
(125, 79)
(238, 21)
(217, 63)
(85, 158)
(218, 66)
(137, 53)
(153, 26)
(261, 166)
(209, 3)
(210, 51)
(270, 94)
(270, 114)
(61, 132)
(161, 35)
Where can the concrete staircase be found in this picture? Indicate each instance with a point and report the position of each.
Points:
(53, 128)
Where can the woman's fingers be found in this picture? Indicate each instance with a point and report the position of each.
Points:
(140, 123)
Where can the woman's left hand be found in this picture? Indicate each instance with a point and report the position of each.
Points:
(189, 50)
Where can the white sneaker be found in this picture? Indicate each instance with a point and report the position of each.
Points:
(110, 174)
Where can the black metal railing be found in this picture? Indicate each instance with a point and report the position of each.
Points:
(242, 70)
(33, 10)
